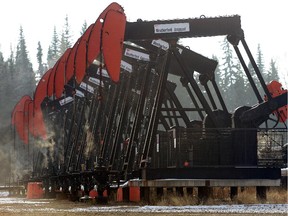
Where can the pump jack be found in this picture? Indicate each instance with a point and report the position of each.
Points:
(117, 116)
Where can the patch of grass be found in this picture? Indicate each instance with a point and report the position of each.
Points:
(220, 196)
(176, 201)
(277, 195)
(246, 196)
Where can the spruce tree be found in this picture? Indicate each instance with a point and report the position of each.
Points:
(39, 60)
(18, 77)
(260, 61)
(261, 66)
(3, 74)
(84, 28)
(21, 52)
(217, 77)
(11, 64)
(238, 93)
(65, 41)
(250, 95)
(25, 79)
(229, 70)
(53, 50)
(50, 60)
(217, 71)
(7, 89)
(272, 73)
(3, 69)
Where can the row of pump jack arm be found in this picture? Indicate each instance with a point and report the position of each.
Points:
(111, 86)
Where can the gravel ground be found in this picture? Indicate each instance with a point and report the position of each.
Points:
(45, 207)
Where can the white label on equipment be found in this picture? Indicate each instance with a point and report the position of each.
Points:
(66, 100)
(104, 73)
(87, 87)
(95, 81)
(171, 28)
(79, 93)
(161, 44)
(126, 66)
(136, 55)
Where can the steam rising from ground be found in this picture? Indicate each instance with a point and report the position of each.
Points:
(17, 159)
(6, 155)
(46, 147)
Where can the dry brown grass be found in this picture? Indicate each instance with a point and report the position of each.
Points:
(277, 195)
(176, 201)
(247, 196)
(221, 195)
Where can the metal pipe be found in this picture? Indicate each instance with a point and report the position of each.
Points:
(251, 81)
(257, 71)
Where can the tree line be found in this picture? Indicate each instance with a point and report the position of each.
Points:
(233, 82)
(18, 78)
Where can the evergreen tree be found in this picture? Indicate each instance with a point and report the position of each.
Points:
(50, 60)
(7, 88)
(1, 61)
(39, 60)
(261, 67)
(238, 90)
(272, 73)
(11, 64)
(2, 65)
(65, 41)
(217, 72)
(217, 77)
(21, 52)
(3, 74)
(229, 70)
(55, 43)
(25, 79)
(228, 66)
(250, 95)
(53, 50)
(84, 27)
(260, 64)
(260, 61)
(19, 79)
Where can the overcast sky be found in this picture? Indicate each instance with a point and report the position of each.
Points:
(264, 22)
